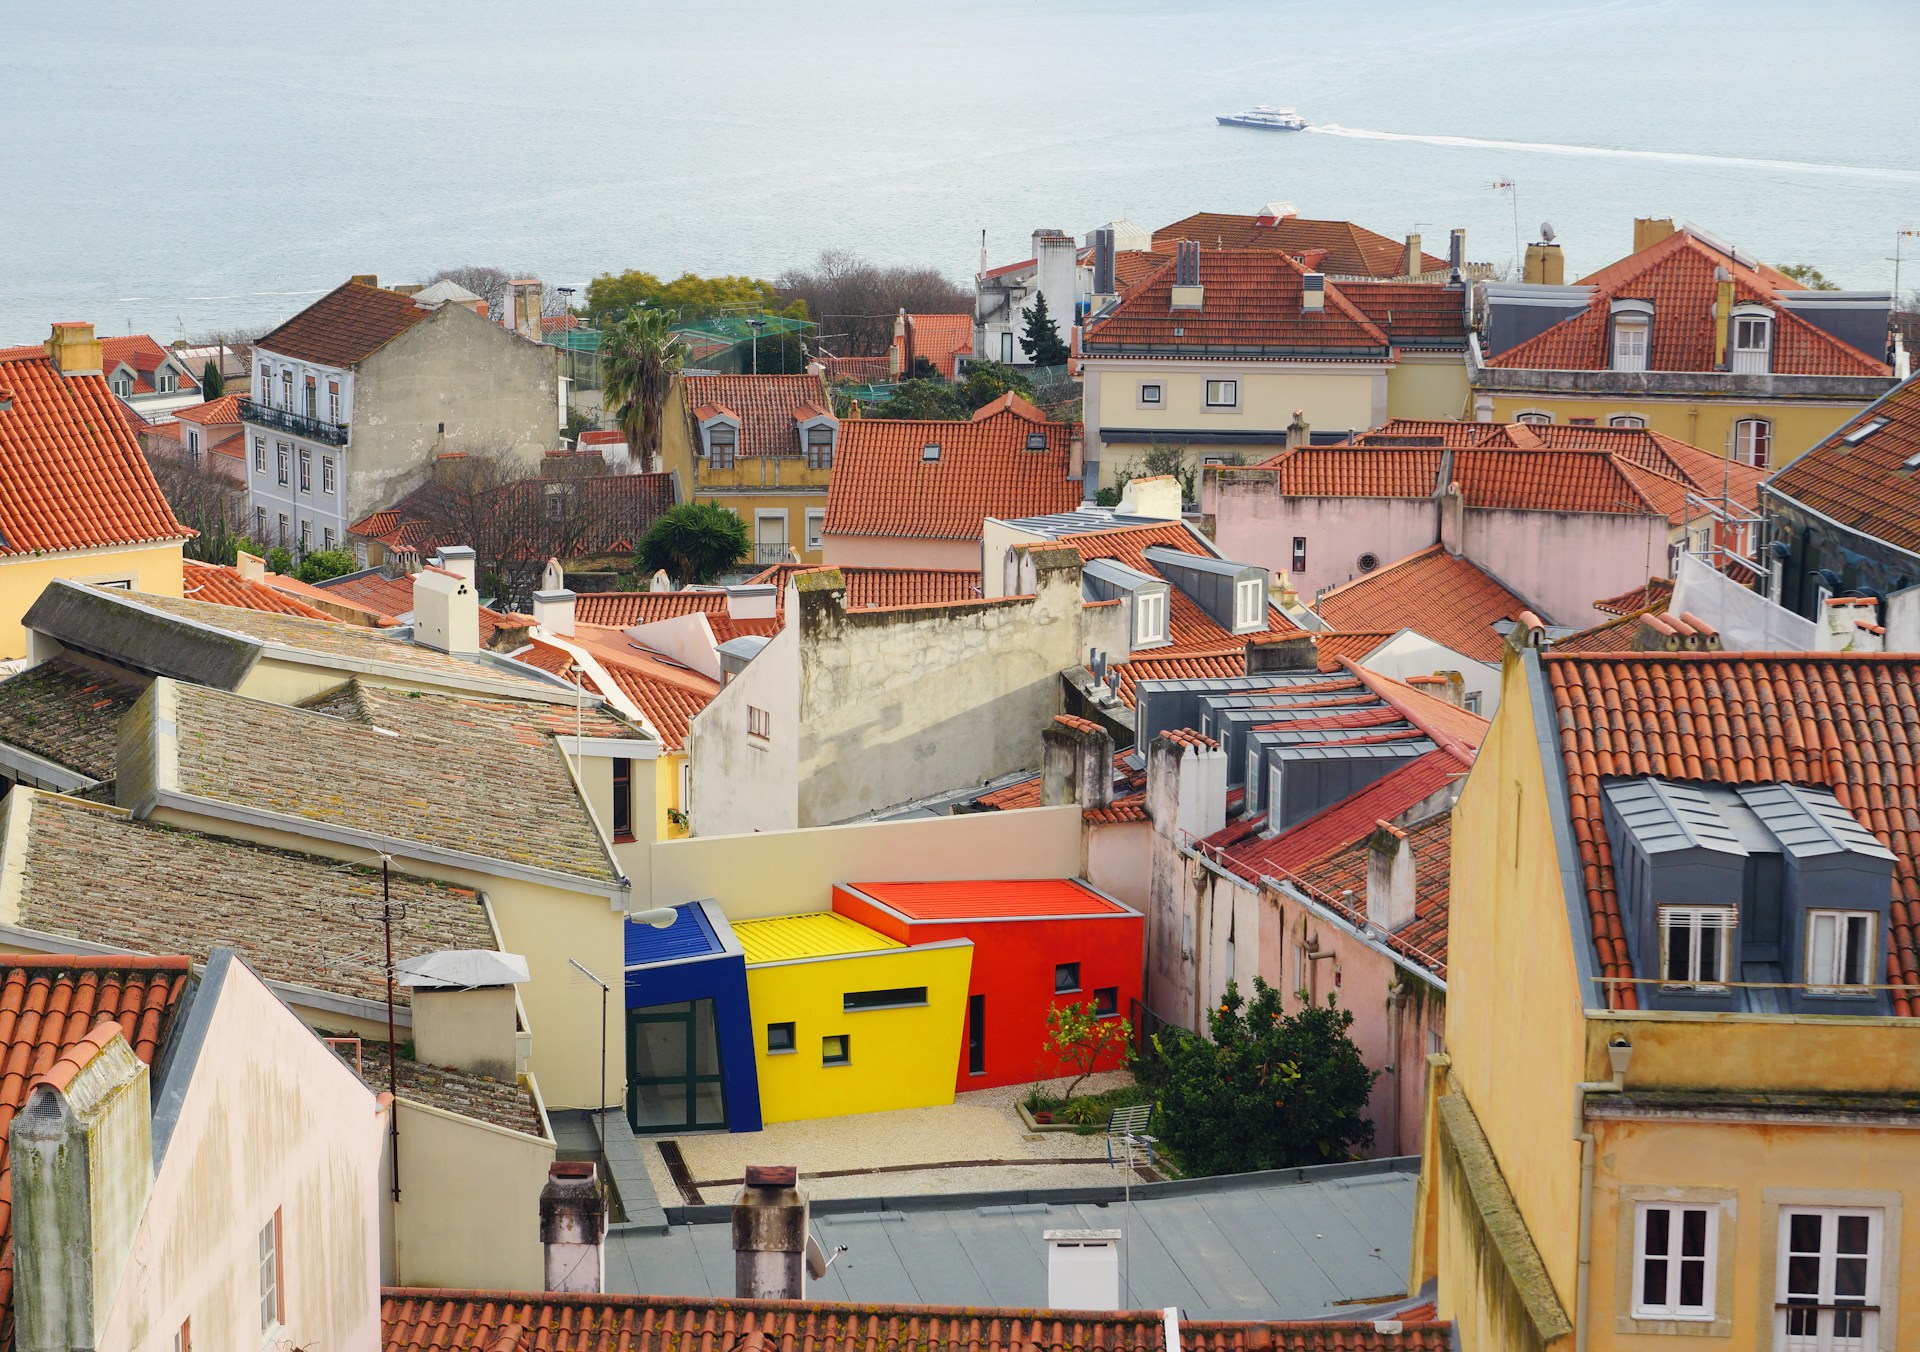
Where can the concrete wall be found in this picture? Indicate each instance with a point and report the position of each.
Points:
(1429, 385)
(1255, 524)
(469, 1213)
(1119, 860)
(272, 1120)
(1410, 654)
(888, 551)
(147, 568)
(787, 872)
(1562, 561)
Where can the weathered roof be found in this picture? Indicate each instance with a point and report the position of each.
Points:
(1863, 475)
(1347, 250)
(1338, 880)
(467, 1093)
(876, 587)
(667, 693)
(66, 713)
(347, 325)
(1445, 597)
(770, 408)
(623, 610)
(614, 512)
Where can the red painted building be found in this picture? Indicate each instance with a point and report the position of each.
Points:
(1036, 944)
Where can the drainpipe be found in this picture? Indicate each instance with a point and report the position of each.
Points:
(1619, 1052)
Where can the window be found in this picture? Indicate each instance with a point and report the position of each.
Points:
(260, 525)
(1840, 949)
(819, 448)
(1753, 442)
(1580, 422)
(1149, 617)
(1673, 1261)
(183, 1337)
(193, 446)
(1471, 701)
(1534, 417)
(1066, 978)
(622, 799)
(1694, 944)
(327, 482)
(1827, 1286)
(836, 1050)
(1626, 420)
(1106, 1001)
(1436, 1042)
(1150, 395)
(930, 453)
(900, 997)
(168, 382)
(273, 1308)
(1299, 553)
(266, 384)
(759, 723)
(1249, 603)
(721, 443)
(1752, 344)
(306, 533)
(779, 1039)
(259, 455)
(559, 502)
(1006, 348)
(306, 470)
(284, 462)
(327, 538)
(333, 401)
(1223, 394)
(286, 390)
(123, 386)
(286, 528)
(313, 398)
(976, 1034)
(816, 528)
(1630, 344)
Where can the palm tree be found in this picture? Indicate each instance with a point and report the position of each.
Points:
(694, 542)
(639, 356)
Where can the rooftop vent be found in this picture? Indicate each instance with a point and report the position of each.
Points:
(1313, 292)
(930, 452)
(1863, 431)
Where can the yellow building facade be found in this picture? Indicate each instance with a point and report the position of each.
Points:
(1614, 1178)
(156, 569)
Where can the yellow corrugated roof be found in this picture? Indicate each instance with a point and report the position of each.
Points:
(818, 934)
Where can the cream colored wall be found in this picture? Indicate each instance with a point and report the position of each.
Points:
(882, 551)
(1119, 859)
(1707, 423)
(743, 783)
(469, 1213)
(1429, 385)
(271, 1119)
(775, 873)
(150, 568)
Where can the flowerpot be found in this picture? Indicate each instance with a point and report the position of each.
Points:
(1043, 1118)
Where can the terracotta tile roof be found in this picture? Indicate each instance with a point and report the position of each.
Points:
(1355, 645)
(48, 1007)
(72, 474)
(623, 610)
(1159, 664)
(767, 407)
(224, 586)
(1332, 877)
(1656, 592)
(882, 484)
(96, 875)
(1612, 636)
(1413, 314)
(667, 694)
(386, 600)
(1834, 720)
(1870, 487)
(1250, 300)
(1133, 266)
(1443, 596)
(213, 413)
(347, 325)
(872, 587)
(858, 369)
(1023, 793)
(620, 507)
(138, 352)
(1349, 250)
(1450, 726)
(67, 713)
(463, 1092)
(1677, 276)
(480, 1321)
(938, 338)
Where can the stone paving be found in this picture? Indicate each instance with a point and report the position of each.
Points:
(907, 1152)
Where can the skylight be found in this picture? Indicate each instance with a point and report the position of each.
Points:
(1863, 431)
(930, 451)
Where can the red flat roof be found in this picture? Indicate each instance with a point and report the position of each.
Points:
(977, 900)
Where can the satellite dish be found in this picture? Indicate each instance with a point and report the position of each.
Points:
(1546, 231)
(818, 1259)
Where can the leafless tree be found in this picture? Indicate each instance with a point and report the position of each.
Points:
(237, 341)
(203, 500)
(854, 301)
(490, 284)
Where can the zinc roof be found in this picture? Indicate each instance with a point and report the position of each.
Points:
(817, 934)
(982, 900)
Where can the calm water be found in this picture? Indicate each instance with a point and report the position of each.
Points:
(218, 165)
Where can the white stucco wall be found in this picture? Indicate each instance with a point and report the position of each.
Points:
(743, 783)
(1411, 654)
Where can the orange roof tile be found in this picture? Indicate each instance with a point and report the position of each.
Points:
(768, 408)
(1677, 276)
(1349, 250)
(883, 485)
(1870, 487)
(213, 413)
(48, 1007)
(1335, 876)
(1656, 591)
(938, 338)
(667, 694)
(1443, 596)
(224, 585)
(1355, 644)
(1251, 300)
(72, 474)
(347, 325)
(875, 587)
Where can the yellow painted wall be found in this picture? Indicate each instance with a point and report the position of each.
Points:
(469, 1202)
(1512, 996)
(900, 1058)
(156, 568)
(1706, 423)
(783, 483)
(749, 502)
(1424, 386)
(666, 798)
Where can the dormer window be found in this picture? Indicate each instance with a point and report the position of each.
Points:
(1695, 942)
(1630, 334)
(723, 440)
(167, 382)
(123, 386)
(1149, 618)
(1249, 604)
(820, 447)
(1752, 351)
(1842, 951)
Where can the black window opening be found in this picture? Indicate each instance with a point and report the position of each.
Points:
(1106, 1001)
(976, 1035)
(898, 997)
(1066, 977)
(780, 1037)
(622, 799)
(1299, 552)
(836, 1050)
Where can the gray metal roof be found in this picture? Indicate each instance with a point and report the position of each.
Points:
(1810, 821)
(1056, 524)
(1665, 816)
(1292, 1244)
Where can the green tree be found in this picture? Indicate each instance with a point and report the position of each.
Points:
(212, 383)
(320, 564)
(1041, 341)
(689, 296)
(923, 399)
(1265, 1089)
(693, 542)
(280, 560)
(1081, 1039)
(638, 358)
(986, 381)
(1808, 276)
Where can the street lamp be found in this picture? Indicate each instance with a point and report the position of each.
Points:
(660, 917)
(756, 325)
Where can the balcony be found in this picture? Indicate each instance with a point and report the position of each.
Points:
(297, 424)
(768, 555)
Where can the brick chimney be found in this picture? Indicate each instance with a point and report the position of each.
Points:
(770, 1235)
(446, 612)
(1076, 763)
(573, 1227)
(464, 1013)
(1390, 878)
(553, 611)
(75, 351)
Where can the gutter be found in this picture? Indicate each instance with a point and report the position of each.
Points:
(26, 765)
(1620, 1052)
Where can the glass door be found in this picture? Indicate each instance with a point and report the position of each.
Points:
(1828, 1281)
(673, 1068)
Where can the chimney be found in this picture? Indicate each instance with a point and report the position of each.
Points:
(1077, 453)
(526, 297)
(458, 559)
(1103, 283)
(1156, 496)
(82, 1162)
(752, 601)
(1414, 258)
(1390, 878)
(463, 1010)
(1268, 655)
(1453, 520)
(1076, 763)
(770, 1235)
(573, 1227)
(1187, 783)
(1187, 292)
(1449, 687)
(1650, 230)
(446, 613)
(1299, 431)
(1457, 252)
(251, 567)
(1083, 1269)
(1722, 315)
(75, 351)
(364, 279)
(553, 611)
(1546, 265)
(1313, 293)
(897, 364)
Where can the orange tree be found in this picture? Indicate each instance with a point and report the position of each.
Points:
(1080, 1037)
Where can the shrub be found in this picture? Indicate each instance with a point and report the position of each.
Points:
(694, 542)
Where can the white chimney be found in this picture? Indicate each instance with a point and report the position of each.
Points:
(1083, 1269)
(464, 1013)
(458, 559)
(1157, 497)
(573, 1227)
(251, 567)
(446, 612)
(1390, 878)
(755, 602)
(553, 611)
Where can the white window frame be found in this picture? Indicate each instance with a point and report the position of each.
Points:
(259, 455)
(1755, 356)
(1153, 394)
(260, 526)
(731, 443)
(1249, 604)
(282, 463)
(1844, 921)
(1006, 348)
(1298, 558)
(1753, 442)
(759, 724)
(1632, 421)
(327, 480)
(306, 470)
(1534, 417)
(1632, 340)
(167, 382)
(1696, 921)
(286, 388)
(1230, 388)
(333, 401)
(1702, 1311)
(1149, 618)
(1875, 1302)
(272, 1300)
(816, 529)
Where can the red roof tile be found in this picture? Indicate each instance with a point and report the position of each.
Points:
(1355, 645)
(1349, 250)
(224, 585)
(72, 474)
(1677, 276)
(1338, 880)
(666, 693)
(619, 507)
(991, 900)
(48, 1007)
(1657, 591)
(1443, 596)
(493, 1321)
(938, 338)
(1413, 314)
(347, 325)
(1870, 487)
(213, 413)
(767, 406)
(1835, 720)
(883, 485)
(385, 599)
(1250, 300)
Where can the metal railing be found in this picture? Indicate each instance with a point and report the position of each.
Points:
(297, 424)
(768, 555)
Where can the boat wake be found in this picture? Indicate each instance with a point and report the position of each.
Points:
(1610, 152)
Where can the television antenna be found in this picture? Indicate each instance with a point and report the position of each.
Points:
(1130, 1140)
(1512, 190)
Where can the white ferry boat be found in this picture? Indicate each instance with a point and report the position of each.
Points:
(1266, 117)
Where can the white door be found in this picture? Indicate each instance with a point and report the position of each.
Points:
(1828, 1286)
(770, 538)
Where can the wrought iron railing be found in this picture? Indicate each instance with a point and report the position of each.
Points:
(768, 555)
(297, 424)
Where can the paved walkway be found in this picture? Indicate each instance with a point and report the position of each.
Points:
(976, 1144)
